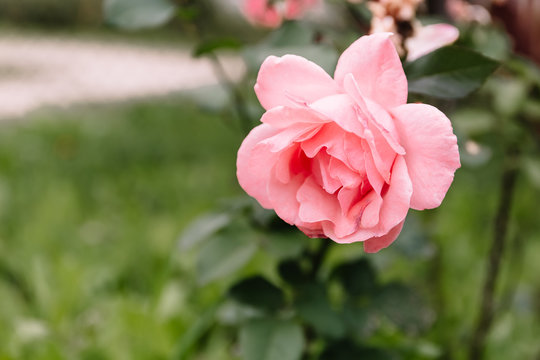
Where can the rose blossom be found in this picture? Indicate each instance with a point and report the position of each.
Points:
(346, 158)
(271, 13)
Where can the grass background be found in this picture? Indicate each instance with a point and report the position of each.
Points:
(92, 201)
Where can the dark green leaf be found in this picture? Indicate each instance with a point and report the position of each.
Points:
(449, 72)
(138, 14)
(347, 350)
(358, 277)
(209, 46)
(271, 339)
(404, 307)
(292, 272)
(258, 293)
(314, 308)
(223, 255)
(360, 318)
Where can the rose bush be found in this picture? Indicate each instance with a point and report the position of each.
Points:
(345, 158)
(271, 13)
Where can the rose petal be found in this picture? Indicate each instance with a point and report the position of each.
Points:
(330, 137)
(347, 197)
(316, 205)
(432, 154)
(394, 208)
(375, 244)
(292, 81)
(323, 174)
(371, 213)
(375, 116)
(283, 197)
(254, 163)
(341, 172)
(429, 38)
(397, 200)
(283, 117)
(375, 64)
(260, 12)
(341, 109)
(283, 168)
(286, 137)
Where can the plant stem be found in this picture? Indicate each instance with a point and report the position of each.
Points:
(515, 264)
(487, 305)
(317, 257)
(238, 98)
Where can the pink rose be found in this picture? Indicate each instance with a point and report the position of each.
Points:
(346, 158)
(271, 13)
(429, 38)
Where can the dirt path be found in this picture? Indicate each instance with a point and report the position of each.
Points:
(42, 71)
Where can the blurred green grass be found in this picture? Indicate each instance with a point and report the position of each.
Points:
(91, 203)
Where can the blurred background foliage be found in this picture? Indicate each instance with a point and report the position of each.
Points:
(124, 234)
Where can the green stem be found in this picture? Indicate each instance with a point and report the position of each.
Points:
(317, 257)
(238, 98)
(487, 305)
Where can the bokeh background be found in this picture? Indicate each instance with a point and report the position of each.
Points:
(114, 139)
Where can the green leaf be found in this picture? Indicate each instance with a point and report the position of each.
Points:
(271, 339)
(138, 14)
(258, 292)
(509, 95)
(347, 350)
(358, 277)
(413, 242)
(291, 33)
(450, 72)
(313, 307)
(532, 170)
(473, 121)
(283, 245)
(359, 317)
(209, 46)
(292, 272)
(188, 13)
(189, 339)
(201, 228)
(491, 41)
(404, 307)
(222, 255)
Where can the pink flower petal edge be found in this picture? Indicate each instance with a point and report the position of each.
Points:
(430, 38)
